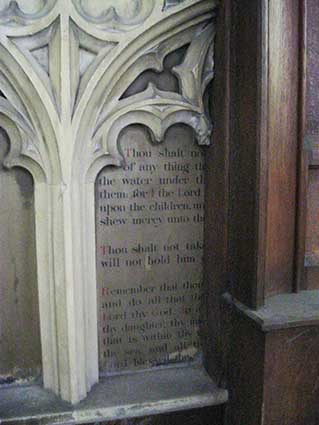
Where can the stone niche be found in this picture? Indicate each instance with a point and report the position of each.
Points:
(102, 233)
(20, 347)
(150, 228)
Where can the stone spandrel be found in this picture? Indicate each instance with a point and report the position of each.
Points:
(150, 220)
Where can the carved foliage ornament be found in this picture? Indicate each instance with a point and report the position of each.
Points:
(64, 68)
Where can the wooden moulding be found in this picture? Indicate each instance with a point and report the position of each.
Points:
(244, 162)
(273, 361)
(216, 195)
(264, 148)
(282, 311)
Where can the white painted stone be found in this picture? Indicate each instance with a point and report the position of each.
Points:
(64, 124)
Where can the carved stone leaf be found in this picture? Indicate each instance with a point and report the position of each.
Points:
(190, 72)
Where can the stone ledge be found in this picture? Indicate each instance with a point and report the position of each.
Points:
(116, 397)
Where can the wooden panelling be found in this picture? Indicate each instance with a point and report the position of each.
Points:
(312, 101)
(246, 372)
(291, 377)
(216, 205)
(312, 277)
(308, 231)
(246, 159)
(282, 139)
(303, 157)
(312, 239)
(274, 173)
(264, 147)
(273, 363)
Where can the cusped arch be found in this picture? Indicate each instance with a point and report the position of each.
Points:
(24, 107)
(145, 51)
(33, 146)
(109, 151)
(15, 156)
(154, 109)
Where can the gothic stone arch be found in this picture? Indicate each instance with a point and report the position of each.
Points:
(64, 66)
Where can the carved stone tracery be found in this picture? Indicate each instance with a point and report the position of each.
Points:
(119, 16)
(13, 12)
(64, 130)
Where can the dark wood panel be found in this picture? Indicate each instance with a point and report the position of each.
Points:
(312, 143)
(312, 240)
(216, 202)
(264, 147)
(307, 276)
(283, 144)
(303, 157)
(272, 373)
(312, 232)
(312, 101)
(247, 151)
(312, 277)
(292, 377)
(273, 367)
(246, 372)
